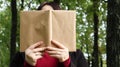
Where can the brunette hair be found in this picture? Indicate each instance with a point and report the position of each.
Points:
(54, 4)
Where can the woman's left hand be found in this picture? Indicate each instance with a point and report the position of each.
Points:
(61, 52)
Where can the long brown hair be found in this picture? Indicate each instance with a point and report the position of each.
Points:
(54, 4)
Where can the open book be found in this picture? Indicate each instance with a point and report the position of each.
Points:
(59, 25)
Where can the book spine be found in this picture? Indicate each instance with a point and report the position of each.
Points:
(50, 27)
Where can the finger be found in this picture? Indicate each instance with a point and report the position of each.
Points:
(38, 53)
(54, 52)
(39, 49)
(38, 57)
(57, 44)
(36, 45)
(53, 49)
(55, 56)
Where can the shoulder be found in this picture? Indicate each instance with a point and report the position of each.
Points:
(78, 59)
(76, 53)
(20, 55)
(18, 60)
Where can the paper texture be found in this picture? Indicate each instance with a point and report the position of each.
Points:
(59, 25)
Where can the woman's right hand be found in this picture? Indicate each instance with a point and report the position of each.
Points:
(32, 53)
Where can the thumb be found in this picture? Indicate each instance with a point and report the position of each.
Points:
(36, 45)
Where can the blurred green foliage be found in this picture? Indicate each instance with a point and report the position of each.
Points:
(84, 29)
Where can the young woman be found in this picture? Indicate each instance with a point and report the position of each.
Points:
(49, 56)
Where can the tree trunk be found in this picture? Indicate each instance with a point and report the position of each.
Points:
(95, 60)
(87, 50)
(22, 4)
(113, 34)
(101, 61)
(13, 29)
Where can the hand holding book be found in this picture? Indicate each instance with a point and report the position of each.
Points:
(33, 53)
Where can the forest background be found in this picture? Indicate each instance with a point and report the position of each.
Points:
(91, 28)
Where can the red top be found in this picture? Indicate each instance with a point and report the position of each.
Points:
(48, 61)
